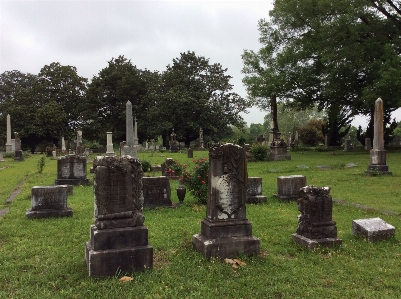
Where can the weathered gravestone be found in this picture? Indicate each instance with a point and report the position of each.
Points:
(128, 147)
(373, 229)
(165, 166)
(315, 224)
(173, 143)
(1, 157)
(190, 153)
(79, 150)
(347, 145)
(226, 232)
(19, 156)
(119, 239)
(8, 142)
(156, 192)
(378, 154)
(71, 170)
(288, 186)
(109, 146)
(49, 201)
(254, 191)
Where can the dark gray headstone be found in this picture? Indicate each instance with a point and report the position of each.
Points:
(226, 232)
(190, 153)
(254, 191)
(315, 224)
(288, 186)
(71, 170)
(49, 201)
(156, 192)
(119, 239)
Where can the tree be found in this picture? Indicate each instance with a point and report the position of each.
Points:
(197, 94)
(339, 55)
(311, 133)
(108, 93)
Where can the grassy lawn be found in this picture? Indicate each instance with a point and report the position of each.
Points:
(45, 258)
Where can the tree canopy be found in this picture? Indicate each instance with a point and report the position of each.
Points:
(340, 55)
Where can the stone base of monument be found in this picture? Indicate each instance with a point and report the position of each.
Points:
(255, 199)
(30, 214)
(74, 182)
(118, 250)
(288, 187)
(315, 243)
(278, 153)
(226, 239)
(19, 156)
(378, 169)
(373, 229)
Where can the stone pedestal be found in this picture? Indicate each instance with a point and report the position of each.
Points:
(278, 151)
(288, 186)
(156, 192)
(254, 191)
(377, 162)
(373, 229)
(315, 224)
(71, 170)
(226, 232)
(49, 201)
(118, 240)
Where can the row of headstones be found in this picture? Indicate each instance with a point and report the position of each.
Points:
(119, 239)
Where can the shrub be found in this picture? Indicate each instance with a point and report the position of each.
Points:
(259, 152)
(196, 180)
(145, 165)
(41, 163)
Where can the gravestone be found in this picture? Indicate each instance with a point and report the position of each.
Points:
(315, 224)
(118, 239)
(8, 142)
(201, 142)
(1, 157)
(155, 168)
(71, 170)
(248, 153)
(54, 155)
(373, 229)
(226, 232)
(156, 192)
(165, 165)
(288, 186)
(19, 156)
(49, 201)
(378, 154)
(79, 150)
(128, 147)
(278, 147)
(63, 148)
(109, 145)
(190, 153)
(254, 191)
(347, 145)
(173, 143)
(326, 140)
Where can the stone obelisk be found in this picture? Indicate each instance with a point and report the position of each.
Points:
(135, 134)
(8, 143)
(129, 148)
(378, 154)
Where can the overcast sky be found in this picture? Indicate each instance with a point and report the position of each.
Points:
(88, 34)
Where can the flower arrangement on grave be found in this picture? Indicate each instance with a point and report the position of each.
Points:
(196, 180)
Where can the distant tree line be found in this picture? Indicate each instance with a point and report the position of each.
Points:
(190, 94)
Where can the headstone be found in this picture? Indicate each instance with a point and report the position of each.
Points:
(296, 138)
(19, 156)
(190, 153)
(368, 144)
(373, 229)
(156, 192)
(13, 145)
(288, 186)
(63, 148)
(8, 143)
(173, 143)
(54, 155)
(1, 157)
(248, 153)
(315, 224)
(109, 145)
(128, 148)
(326, 140)
(254, 191)
(165, 165)
(49, 201)
(201, 142)
(226, 232)
(378, 154)
(155, 168)
(347, 145)
(79, 149)
(278, 147)
(71, 170)
(118, 239)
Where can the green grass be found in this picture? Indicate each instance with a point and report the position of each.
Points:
(45, 258)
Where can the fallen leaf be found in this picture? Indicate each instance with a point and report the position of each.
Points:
(125, 278)
(230, 261)
(240, 262)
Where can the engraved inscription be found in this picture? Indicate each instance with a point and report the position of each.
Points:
(49, 198)
(78, 170)
(65, 171)
(229, 196)
(116, 192)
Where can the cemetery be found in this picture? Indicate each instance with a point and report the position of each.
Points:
(46, 257)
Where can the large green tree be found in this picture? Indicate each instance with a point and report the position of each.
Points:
(105, 106)
(197, 94)
(340, 55)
